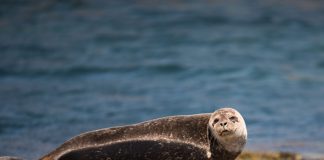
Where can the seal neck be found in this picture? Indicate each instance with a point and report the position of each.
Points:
(218, 151)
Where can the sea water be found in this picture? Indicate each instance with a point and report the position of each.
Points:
(67, 67)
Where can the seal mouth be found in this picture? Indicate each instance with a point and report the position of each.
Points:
(225, 132)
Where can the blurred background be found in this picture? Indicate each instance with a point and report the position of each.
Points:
(70, 66)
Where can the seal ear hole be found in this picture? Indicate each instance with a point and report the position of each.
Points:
(234, 119)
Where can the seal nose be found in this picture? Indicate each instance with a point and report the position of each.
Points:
(223, 124)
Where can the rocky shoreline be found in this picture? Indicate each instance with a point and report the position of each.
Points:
(248, 155)
(254, 155)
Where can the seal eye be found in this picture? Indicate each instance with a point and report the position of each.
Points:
(233, 119)
(215, 121)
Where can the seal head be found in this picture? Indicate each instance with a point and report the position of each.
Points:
(227, 132)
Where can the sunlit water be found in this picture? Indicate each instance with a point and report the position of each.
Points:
(67, 67)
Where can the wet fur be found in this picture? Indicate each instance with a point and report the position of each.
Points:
(176, 137)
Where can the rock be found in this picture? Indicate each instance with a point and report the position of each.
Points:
(269, 156)
(10, 158)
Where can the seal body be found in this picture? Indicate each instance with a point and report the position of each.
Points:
(178, 137)
(210, 136)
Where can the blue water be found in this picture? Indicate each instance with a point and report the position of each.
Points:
(71, 66)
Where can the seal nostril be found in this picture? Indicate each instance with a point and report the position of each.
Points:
(223, 124)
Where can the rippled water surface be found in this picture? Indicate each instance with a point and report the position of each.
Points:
(71, 66)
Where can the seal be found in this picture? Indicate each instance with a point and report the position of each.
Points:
(209, 136)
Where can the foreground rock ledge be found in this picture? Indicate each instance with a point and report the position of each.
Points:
(249, 155)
